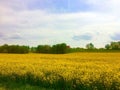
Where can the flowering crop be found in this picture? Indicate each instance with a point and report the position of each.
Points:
(75, 71)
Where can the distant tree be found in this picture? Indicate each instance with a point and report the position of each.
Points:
(47, 48)
(60, 48)
(5, 48)
(39, 48)
(107, 46)
(115, 45)
(90, 46)
(23, 49)
(43, 49)
(33, 49)
(14, 49)
(101, 49)
(63, 48)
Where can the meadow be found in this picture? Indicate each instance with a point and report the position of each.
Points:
(74, 71)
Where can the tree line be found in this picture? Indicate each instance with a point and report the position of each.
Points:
(55, 49)
(14, 49)
(61, 48)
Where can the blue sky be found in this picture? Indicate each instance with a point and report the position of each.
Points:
(75, 22)
(60, 6)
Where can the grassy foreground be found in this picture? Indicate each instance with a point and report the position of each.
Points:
(75, 71)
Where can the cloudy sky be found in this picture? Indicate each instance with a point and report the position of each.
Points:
(75, 22)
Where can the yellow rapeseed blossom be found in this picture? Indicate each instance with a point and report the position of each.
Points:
(84, 68)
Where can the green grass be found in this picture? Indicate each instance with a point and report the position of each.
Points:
(20, 86)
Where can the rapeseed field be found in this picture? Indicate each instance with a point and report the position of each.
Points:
(75, 71)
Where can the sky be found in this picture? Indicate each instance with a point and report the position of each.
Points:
(75, 22)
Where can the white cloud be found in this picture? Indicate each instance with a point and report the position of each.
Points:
(109, 6)
(40, 27)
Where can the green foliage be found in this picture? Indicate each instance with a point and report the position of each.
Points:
(55, 49)
(59, 48)
(30, 82)
(43, 49)
(113, 46)
(90, 46)
(107, 46)
(33, 49)
(11, 85)
(14, 49)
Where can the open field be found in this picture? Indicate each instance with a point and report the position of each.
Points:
(75, 71)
